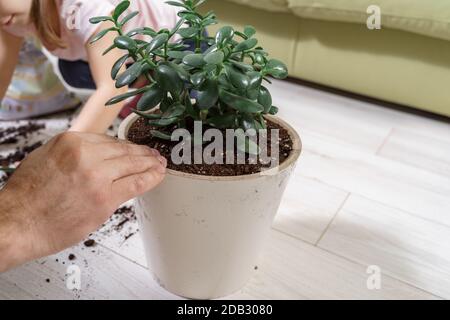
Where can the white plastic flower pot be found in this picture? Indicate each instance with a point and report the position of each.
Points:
(203, 235)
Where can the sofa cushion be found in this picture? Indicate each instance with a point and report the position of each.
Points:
(270, 5)
(426, 17)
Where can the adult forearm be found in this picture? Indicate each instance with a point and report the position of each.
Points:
(95, 117)
(39, 217)
(15, 246)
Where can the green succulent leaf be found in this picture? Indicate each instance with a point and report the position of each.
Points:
(166, 103)
(255, 80)
(178, 4)
(129, 17)
(253, 94)
(97, 20)
(151, 98)
(101, 34)
(265, 99)
(260, 59)
(240, 34)
(273, 110)
(209, 95)
(197, 79)
(215, 57)
(176, 28)
(224, 36)
(209, 22)
(148, 115)
(261, 123)
(163, 122)
(190, 109)
(157, 42)
(247, 122)
(212, 48)
(142, 31)
(120, 9)
(191, 17)
(194, 60)
(199, 3)
(246, 45)
(125, 43)
(223, 121)
(239, 79)
(276, 69)
(174, 111)
(178, 55)
(242, 66)
(168, 78)
(240, 103)
(125, 96)
(130, 75)
(109, 49)
(249, 31)
(183, 73)
(188, 33)
(118, 65)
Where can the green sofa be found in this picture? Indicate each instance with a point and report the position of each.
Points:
(328, 42)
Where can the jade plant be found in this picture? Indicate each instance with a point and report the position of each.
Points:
(219, 83)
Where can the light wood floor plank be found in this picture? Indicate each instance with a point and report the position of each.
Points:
(340, 119)
(293, 269)
(104, 275)
(418, 150)
(307, 208)
(406, 247)
(345, 120)
(396, 184)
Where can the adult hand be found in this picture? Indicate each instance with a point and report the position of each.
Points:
(66, 189)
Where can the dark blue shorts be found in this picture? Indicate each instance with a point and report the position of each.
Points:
(77, 74)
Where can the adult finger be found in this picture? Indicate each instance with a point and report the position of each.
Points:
(132, 186)
(111, 150)
(128, 165)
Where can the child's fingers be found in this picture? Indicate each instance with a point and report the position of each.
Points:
(136, 185)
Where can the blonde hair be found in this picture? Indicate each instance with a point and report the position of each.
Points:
(45, 17)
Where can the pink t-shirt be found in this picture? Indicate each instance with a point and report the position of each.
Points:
(76, 30)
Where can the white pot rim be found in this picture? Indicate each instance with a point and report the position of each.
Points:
(293, 157)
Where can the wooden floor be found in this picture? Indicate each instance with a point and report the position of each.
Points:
(372, 189)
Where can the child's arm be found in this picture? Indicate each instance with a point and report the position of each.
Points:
(95, 117)
(9, 56)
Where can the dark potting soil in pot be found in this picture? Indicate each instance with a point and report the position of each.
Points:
(139, 133)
